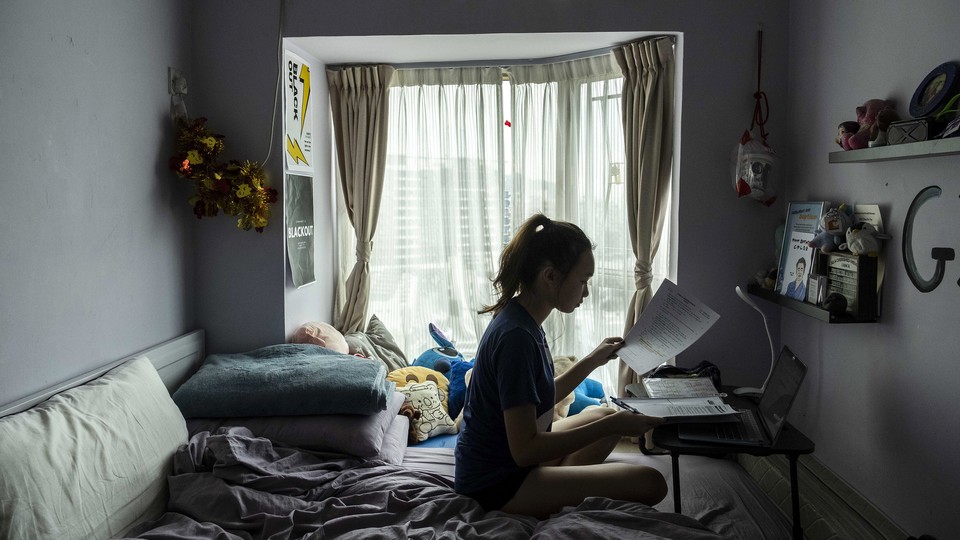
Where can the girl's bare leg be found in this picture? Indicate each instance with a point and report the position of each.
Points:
(594, 453)
(547, 489)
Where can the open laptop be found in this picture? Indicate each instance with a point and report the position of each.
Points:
(759, 426)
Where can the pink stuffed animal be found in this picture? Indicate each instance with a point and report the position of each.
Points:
(867, 118)
(323, 334)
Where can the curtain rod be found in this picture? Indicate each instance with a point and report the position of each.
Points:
(526, 61)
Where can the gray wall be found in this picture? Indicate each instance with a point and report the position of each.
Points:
(881, 399)
(719, 80)
(234, 82)
(96, 243)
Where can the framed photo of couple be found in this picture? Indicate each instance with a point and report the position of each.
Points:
(796, 256)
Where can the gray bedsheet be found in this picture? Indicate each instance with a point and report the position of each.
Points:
(231, 485)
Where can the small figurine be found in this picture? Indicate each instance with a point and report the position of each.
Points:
(862, 239)
(868, 116)
(848, 128)
(833, 225)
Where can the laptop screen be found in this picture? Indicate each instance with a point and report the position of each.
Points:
(781, 389)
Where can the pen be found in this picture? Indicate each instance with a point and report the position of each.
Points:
(623, 405)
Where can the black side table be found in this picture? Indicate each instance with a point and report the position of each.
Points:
(791, 443)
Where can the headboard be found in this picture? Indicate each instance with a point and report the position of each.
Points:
(174, 360)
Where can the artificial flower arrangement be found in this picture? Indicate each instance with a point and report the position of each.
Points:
(239, 188)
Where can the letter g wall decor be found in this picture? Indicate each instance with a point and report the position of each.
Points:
(939, 254)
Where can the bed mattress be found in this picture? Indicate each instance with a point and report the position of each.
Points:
(717, 492)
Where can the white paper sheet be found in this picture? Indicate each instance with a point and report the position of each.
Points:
(673, 321)
(699, 409)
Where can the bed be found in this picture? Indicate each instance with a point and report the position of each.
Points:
(109, 455)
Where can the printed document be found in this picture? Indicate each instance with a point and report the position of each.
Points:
(681, 409)
(673, 321)
(679, 387)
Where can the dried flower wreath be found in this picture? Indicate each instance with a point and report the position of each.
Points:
(239, 188)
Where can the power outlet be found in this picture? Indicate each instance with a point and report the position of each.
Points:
(176, 82)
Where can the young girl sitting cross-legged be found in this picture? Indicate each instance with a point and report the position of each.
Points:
(510, 455)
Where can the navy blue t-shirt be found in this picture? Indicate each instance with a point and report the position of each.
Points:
(513, 367)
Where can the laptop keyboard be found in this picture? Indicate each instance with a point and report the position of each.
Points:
(747, 430)
(751, 430)
(730, 432)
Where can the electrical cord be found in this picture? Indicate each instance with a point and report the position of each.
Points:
(276, 93)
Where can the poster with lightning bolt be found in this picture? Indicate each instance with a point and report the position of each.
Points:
(298, 115)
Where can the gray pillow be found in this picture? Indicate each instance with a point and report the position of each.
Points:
(355, 435)
(377, 342)
(395, 441)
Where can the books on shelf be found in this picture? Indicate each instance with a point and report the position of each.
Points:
(796, 255)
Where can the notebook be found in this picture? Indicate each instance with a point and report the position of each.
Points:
(759, 426)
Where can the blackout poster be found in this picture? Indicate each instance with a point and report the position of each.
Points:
(298, 210)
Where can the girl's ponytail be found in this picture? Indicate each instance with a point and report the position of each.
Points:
(538, 242)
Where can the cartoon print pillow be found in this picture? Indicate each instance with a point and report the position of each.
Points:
(434, 420)
(417, 374)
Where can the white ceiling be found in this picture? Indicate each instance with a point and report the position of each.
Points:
(457, 47)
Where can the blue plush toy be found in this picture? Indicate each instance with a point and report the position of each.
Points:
(447, 360)
(587, 393)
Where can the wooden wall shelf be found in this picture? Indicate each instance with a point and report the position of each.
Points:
(936, 147)
(809, 310)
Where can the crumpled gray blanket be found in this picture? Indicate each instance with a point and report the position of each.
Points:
(231, 485)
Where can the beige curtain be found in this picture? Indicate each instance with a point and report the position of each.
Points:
(648, 123)
(358, 102)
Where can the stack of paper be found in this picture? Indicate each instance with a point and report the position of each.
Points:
(679, 387)
(711, 409)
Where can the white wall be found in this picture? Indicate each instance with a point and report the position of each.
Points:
(881, 399)
(96, 247)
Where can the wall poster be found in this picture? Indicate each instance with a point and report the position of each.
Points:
(297, 115)
(298, 211)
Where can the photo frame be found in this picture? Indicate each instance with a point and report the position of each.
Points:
(934, 91)
(796, 255)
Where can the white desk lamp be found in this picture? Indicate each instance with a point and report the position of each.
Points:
(748, 390)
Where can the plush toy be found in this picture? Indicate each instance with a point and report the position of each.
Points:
(466, 383)
(867, 119)
(847, 128)
(862, 239)
(560, 366)
(878, 133)
(323, 334)
(833, 224)
(587, 393)
(447, 360)
(417, 375)
(433, 419)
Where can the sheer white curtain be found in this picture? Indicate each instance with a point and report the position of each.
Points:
(441, 222)
(568, 162)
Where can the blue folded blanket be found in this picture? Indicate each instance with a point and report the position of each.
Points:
(284, 380)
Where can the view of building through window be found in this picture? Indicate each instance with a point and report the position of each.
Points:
(468, 160)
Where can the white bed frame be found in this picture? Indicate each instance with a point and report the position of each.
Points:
(175, 360)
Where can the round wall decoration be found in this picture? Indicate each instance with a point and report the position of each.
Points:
(934, 91)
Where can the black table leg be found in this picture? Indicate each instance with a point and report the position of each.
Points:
(795, 498)
(675, 462)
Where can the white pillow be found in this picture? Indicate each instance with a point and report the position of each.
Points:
(91, 461)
